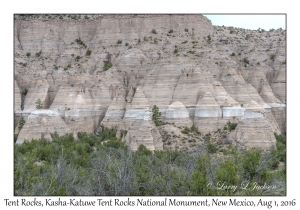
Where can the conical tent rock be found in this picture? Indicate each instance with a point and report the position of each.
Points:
(139, 106)
(254, 110)
(208, 107)
(159, 85)
(38, 90)
(254, 130)
(40, 122)
(144, 132)
(189, 83)
(114, 114)
(178, 114)
(208, 114)
(139, 101)
(267, 94)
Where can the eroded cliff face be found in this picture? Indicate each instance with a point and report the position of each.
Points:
(112, 69)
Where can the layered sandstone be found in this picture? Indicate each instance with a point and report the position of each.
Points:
(178, 114)
(40, 124)
(207, 114)
(137, 109)
(195, 73)
(115, 113)
(254, 130)
(144, 132)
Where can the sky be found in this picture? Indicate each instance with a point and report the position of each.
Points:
(253, 22)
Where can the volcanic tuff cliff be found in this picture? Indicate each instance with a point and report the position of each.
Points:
(89, 70)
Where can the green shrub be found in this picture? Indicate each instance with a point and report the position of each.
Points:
(184, 131)
(77, 58)
(103, 165)
(21, 123)
(156, 114)
(184, 42)
(274, 162)
(281, 146)
(272, 57)
(24, 92)
(28, 54)
(123, 133)
(15, 137)
(227, 173)
(232, 54)
(231, 125)
(107, 65)
(250, 163)
(38, 54)
(126, 44)
(39, 104)
(171, 31)
(154, 31)
(199, 179)
(88, 52)
(119, 41)
(23, 64)
(80, 42)
(142, 150)
(208, 38)
(207, 137)
(211, 148)
(194, 129)
(175, 51)
(115, 143)
(186, 30)
(246, 61)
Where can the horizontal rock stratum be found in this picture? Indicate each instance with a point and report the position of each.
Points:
(89, 70)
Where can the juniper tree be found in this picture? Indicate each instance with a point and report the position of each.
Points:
(39, 104)
(156, 115)
(21, 123)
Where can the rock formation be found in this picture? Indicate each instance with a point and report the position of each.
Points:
(115, 113)
(112, 69)
(207, 114)
(144, 132)
(178, 114)
(137, 109)
(254, 130)
(40, 124)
